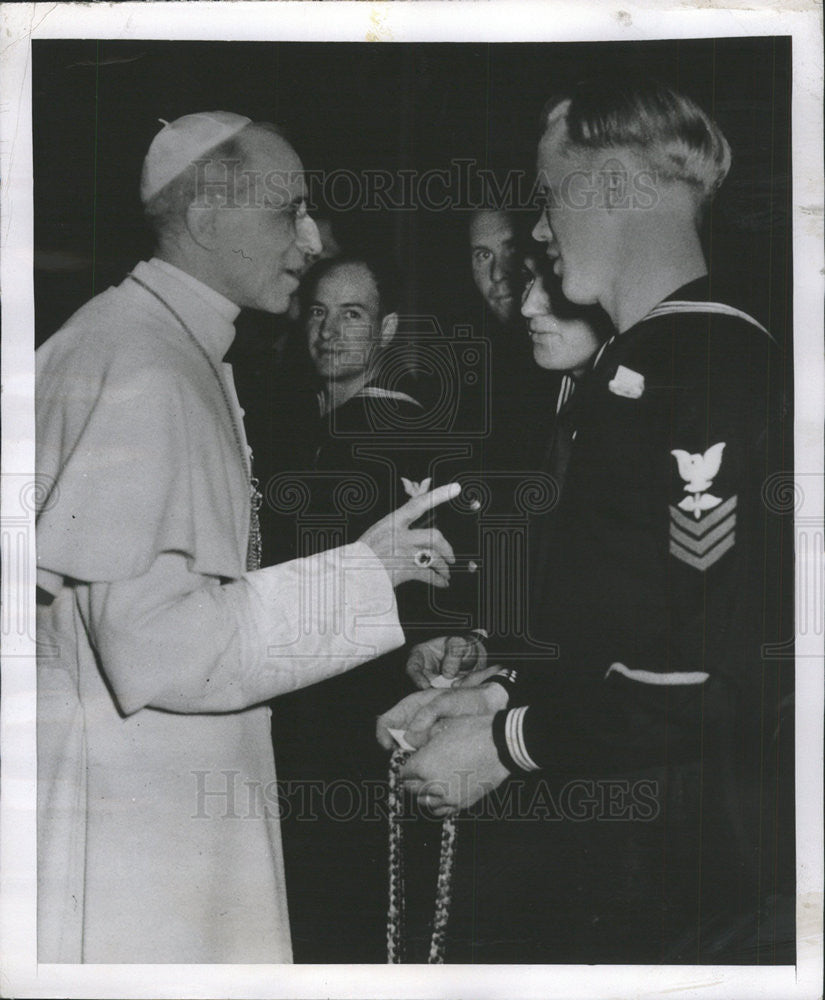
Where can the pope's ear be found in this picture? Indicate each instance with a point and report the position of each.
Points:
(389, 326)
(201, 223)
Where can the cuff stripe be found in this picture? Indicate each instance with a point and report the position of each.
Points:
(514, 734)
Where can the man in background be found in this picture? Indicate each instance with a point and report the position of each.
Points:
(364, 457)
(495, 255)
(516, 390)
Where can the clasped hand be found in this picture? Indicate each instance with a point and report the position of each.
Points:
(456, 762)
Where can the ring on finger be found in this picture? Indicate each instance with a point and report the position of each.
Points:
(430, 801)
(423, 558)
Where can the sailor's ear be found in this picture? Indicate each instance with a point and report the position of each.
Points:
(389, 327)
(613, 175)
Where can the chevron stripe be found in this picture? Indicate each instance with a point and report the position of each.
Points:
(704, 562)
(701, 546)
(705, 523)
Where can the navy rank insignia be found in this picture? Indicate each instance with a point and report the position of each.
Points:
(701, 524)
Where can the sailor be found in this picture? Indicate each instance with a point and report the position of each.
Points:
(661, 579)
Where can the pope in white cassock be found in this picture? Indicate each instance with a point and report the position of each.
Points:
(160, 640)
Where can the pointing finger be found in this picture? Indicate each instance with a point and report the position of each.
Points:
(413, 509)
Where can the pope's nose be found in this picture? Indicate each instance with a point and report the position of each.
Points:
(308, 239)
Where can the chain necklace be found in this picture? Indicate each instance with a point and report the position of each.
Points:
(446, 863)
(254, 545)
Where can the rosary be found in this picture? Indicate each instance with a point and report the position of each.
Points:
(443, 894)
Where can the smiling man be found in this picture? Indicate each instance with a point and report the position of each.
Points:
(661, 575)
(366, 447)
(348, 326)
(160, 638)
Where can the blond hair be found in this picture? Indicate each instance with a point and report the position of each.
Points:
(668, 131)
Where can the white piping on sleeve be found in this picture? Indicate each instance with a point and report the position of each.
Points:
(651, 677)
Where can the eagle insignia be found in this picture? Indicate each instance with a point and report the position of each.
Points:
(698, 472)
(702, 540)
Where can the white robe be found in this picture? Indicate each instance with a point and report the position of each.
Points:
(158, 834)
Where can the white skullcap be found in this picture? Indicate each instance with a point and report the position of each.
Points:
(183, 141)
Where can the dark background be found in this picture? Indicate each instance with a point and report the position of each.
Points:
(390, 106)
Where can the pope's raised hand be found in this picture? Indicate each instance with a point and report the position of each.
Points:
(414, 553)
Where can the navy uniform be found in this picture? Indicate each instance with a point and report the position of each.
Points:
(661, 731)
(332, 772)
